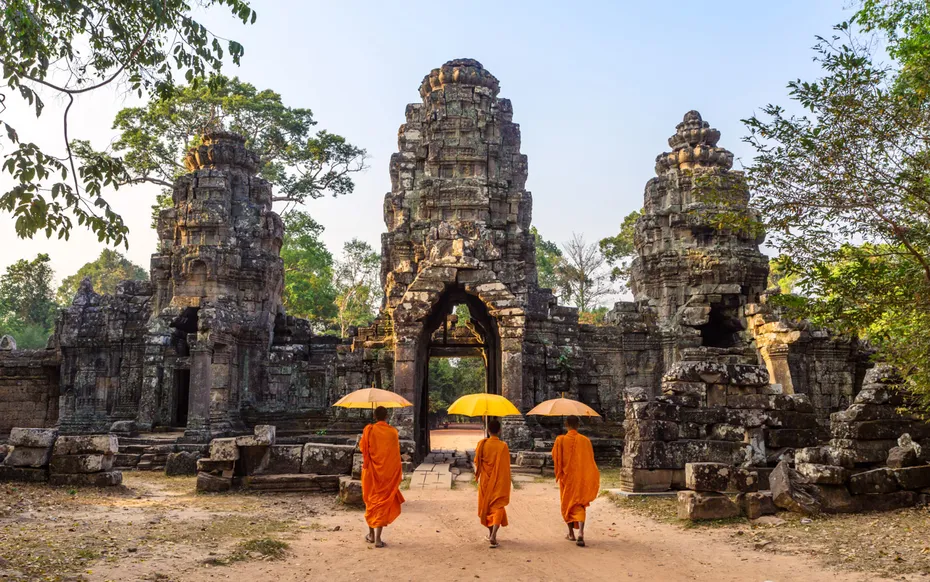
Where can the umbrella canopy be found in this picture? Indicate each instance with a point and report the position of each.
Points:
(372, 398)
(562, 407)
(483, 404)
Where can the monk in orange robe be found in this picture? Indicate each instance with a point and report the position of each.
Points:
(492, 471)
(577, 475)
(381, 476)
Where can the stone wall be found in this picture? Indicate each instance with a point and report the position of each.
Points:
(28, 389)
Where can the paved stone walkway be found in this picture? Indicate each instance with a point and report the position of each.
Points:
(432, 476)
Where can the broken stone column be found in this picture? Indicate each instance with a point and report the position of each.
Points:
(85, 460)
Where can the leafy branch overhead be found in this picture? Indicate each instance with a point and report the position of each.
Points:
(301, 164)
(66, 49)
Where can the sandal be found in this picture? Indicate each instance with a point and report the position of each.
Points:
(369, 539)
(580, 542)
(494, 545)
(380, 545)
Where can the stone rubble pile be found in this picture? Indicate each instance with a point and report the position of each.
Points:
(30, 454)
(706, 495)
(85, 460)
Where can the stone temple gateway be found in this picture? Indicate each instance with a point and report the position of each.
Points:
(697, 367)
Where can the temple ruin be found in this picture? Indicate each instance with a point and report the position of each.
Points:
(698, 367)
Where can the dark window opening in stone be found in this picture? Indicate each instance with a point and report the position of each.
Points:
(187, 320)
(182, 387)
(723, 327)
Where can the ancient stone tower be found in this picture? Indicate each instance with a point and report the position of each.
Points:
(218, 279)
(697, 275)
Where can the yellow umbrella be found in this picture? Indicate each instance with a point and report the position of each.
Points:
(372, 398)
(562, 407)
(483, 404)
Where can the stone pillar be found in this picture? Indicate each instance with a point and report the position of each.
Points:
(201, 384)
(775, 356)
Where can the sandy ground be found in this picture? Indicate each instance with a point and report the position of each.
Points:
(455, 439)
(438, 538)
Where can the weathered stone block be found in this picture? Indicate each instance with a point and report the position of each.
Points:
(81, 463)
(824, 456)
(913, 478)
(357, 461)
(755, 504)
(650, 430)
(350, 492)
(707, 476)
(100, 444)
(22, 456)
(224, 450)
(264, 436)
(327, 459)
(535, 459)
(216, 468)
(105, 479)
(871, 430)
(880, 480)
(645, 480)
(697, 505)
(823, 474)
(26, 474)
(744, 480)
(794, 438)
(125, 428)
(654, 410)
(285, 459)
(34, 438)
(836, 499)
(899, 457)
(213, 483)
(886, 501)
(791, 491)
(182, 463)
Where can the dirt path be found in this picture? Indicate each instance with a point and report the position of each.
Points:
(462, 439)
(438, 538)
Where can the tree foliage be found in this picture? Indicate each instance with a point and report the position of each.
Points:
(619, 250)
(105, 273)
(301, 164)
(68, 49)
(582, 275)
(548, 258)
(309, 288)
(451, 378)
(358, 286)
(844, 186)
(27, 305)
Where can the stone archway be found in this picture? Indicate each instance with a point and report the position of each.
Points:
(425, 305)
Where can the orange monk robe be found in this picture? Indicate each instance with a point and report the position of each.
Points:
(381, 474)
(577, 474)
(492, 470)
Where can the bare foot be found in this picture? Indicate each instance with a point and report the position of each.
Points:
(570, 537)
(369, 539)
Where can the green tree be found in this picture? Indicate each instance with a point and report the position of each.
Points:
(582, 275)
(548, 258)
(309, 290)
(780, 275)
(105, 273)
(27, 305)
(301, 164)
(76, 48)
(358, 287)
(854, 166)
(619, 250)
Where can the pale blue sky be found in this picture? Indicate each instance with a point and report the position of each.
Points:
(597, 88)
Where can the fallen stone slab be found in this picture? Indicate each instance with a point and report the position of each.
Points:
(823, 474)
(299, 482)
(105, 479)
(645, 480)
(357, 461)
(824, 456)
(881, 480)
(792, 491)
(127, 428)
(913, 478)
(836, 499)
(72, 464)
(285, 459)
(350, 492)
(22, 456)
(216, 468)
(327, 459)
(887, 501)
(756, 504)
(105, 444)
(708, 477)
(744, 480)
(900, 457)
(535, 459)
(35, 438)
(213, 483)
(700, 505)
(26, 474)
(224, 449)
(126, 460)
(183, 463)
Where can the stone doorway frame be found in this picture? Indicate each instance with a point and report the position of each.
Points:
(420, 311)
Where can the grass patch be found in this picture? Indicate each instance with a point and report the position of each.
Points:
(663, 509)
(258, 548)
(610, 478)
(405, 483)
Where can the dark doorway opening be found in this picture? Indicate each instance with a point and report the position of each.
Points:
(459, 328)
(182, 394)
(724, 326)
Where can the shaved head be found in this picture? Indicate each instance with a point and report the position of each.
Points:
(494, 426)
(572, 422)
(380, 413)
